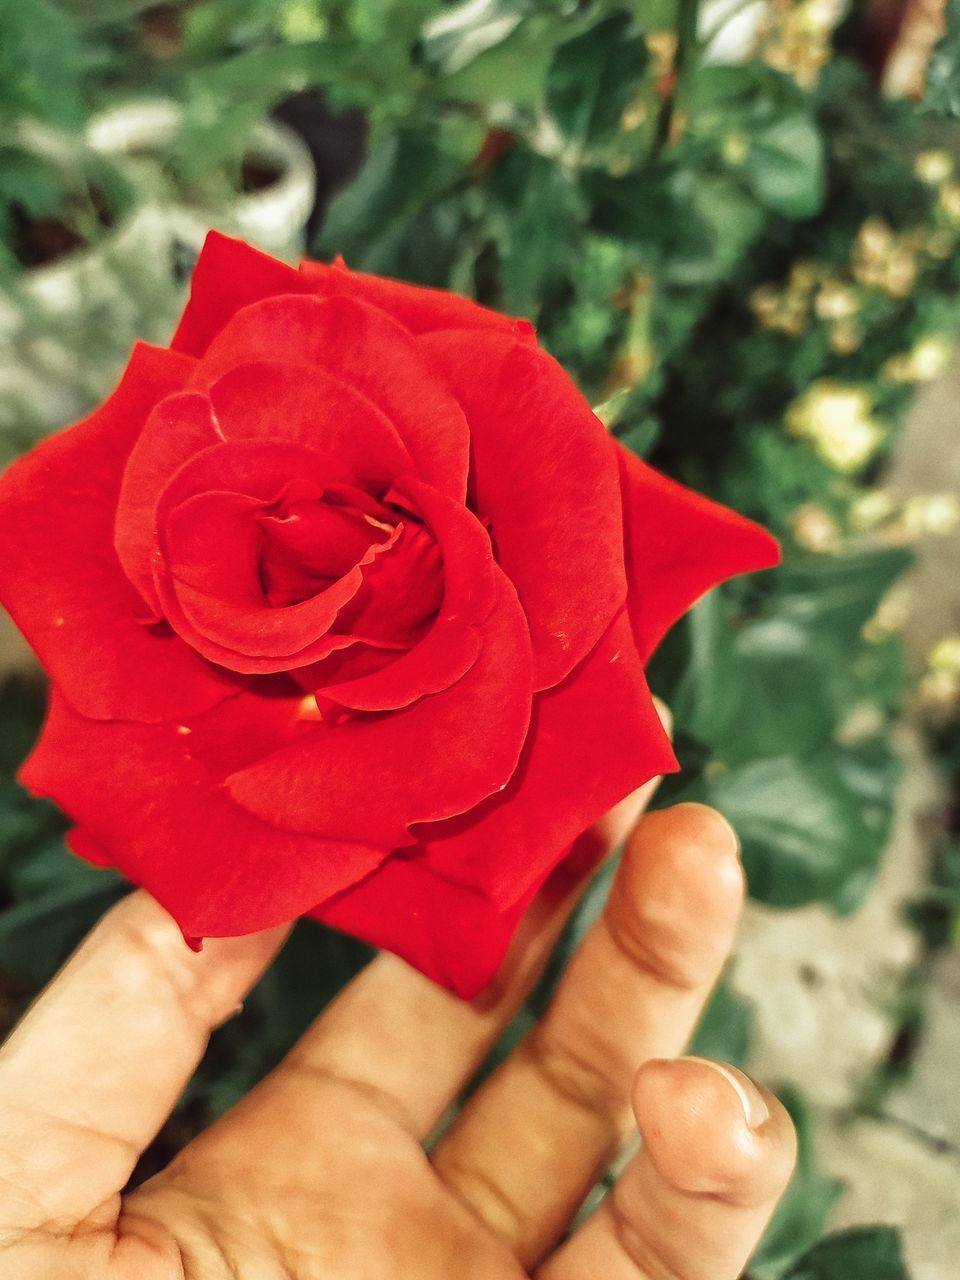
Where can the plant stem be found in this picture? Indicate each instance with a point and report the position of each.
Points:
(684, 60)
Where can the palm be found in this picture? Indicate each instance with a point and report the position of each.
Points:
(371, 1204)
(321, 1172)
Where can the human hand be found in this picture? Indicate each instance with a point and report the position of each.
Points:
(320, 1174)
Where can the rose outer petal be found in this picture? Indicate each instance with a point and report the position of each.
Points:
(452, 934)
(419, 309)
(60, 577)
(545, 476)
(593, 739)
(679, 545)
(228, 276)
(369, 351)
(147, 803)
(432, 760)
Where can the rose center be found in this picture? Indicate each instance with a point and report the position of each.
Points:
(308, 542)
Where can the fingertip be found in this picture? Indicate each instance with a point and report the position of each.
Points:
(705, 826)
(709, 1129)
(679, 893)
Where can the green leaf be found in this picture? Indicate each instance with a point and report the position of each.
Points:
(941, 94)
(22, 704)
(381, 217)
(512, 72)
(227, 98)
(36, 936)
(734, 217)
(710, 691)
(724, 1030)
(801, 1215)
(594, 76)
(654, 213)
(785, 166)
(460, 33)
(31, 182)
(720, 96)
(803, 831)
(536, 216)
(789, 700)
(863, 1253)
(835, 595)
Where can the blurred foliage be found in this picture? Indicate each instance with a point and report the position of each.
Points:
(799, 1220)
(872, 1252)
(748, 263)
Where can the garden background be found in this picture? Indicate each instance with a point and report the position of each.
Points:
(737, 224)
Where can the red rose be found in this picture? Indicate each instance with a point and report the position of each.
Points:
(345, 599)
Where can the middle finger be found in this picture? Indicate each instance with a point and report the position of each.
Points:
(533, 1140)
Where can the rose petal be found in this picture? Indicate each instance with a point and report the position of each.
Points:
(179, 426)
(434, 759)
(452, 934)
(146, 801)
(366, 349)
(419, 309)
(545, 476)
(679, 545)
(452, 644)
(401, 592)
(211, 593)
(593, 740)
(301, 403)
(60, 576)
(228, 275)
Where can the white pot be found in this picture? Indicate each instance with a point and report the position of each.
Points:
(273, 219)
(66, 329)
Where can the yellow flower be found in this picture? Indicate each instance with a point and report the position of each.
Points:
(301, 21)
(939, 693)
(930, 357)
(864, 720)
(937, 513)
(950, 200)
(870, 509)
(890, 616)
(836, 301)
(663, 49)
(900, 274)
(933, 166)
(764, 300)
(940, 244)
(927, 359)
(845, 338)
(821, 16)
(803, 276)
(874, 239)
(736, 148)
(635, 113)
(814, 528)
(945, 655)
(838, 420)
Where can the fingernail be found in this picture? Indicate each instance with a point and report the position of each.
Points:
(755, 1110)
(730, 827)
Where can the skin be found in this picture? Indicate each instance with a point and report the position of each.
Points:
(320, 1172)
